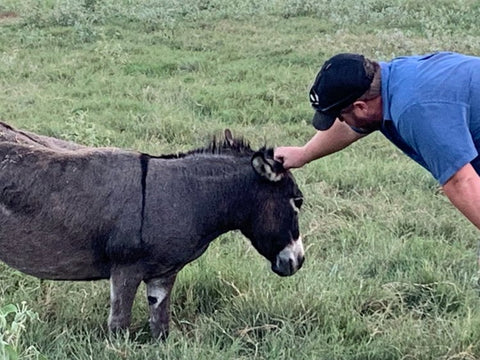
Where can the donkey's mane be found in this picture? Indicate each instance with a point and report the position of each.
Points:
(228, 146)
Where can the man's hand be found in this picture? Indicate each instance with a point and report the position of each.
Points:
(290, 156)
(323, 143)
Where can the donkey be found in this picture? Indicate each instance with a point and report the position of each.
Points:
(82, 213)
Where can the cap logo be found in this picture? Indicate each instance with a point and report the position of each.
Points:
(314, 99)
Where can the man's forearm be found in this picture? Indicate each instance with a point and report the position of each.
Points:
(338, 137)
(463, 190)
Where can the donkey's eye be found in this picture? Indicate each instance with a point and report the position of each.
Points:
(298, 202)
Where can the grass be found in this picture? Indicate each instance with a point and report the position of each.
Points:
(391, 267)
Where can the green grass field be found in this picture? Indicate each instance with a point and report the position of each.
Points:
(391, 269)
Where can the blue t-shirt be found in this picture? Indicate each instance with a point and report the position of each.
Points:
(431, 110)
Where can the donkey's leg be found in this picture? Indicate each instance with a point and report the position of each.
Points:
(158, 294)
(124, 281)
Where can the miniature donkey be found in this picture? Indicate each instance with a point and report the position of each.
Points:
(70, 212)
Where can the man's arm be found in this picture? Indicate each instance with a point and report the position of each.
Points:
(463, 190)
(323, 143)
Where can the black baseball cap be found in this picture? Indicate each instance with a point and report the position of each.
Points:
(341, 80)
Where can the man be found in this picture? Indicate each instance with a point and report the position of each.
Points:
(428, 106)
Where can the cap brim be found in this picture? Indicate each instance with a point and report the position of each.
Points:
(323, 121)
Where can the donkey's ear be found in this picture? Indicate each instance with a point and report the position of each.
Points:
(267, 168)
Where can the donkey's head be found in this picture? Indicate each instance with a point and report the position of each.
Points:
(273, 227)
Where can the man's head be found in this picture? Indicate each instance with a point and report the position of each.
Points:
(342, 80)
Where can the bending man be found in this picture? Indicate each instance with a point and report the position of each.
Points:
(428, 106)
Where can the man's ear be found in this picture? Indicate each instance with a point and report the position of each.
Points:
(360, 105)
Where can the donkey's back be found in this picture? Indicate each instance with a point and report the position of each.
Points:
(60, 209)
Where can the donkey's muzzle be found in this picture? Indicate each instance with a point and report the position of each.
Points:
(290, 259)
(288, 268)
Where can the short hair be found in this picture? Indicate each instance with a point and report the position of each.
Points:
(372, 68)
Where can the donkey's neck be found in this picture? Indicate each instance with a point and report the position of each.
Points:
(207, 193)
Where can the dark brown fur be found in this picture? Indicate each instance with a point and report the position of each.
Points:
(70, 212)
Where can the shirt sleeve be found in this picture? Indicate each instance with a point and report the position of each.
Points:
(440, 135)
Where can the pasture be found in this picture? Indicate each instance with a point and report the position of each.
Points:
(391, 266)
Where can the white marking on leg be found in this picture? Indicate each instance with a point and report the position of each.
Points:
(112, 301)
(156, 293)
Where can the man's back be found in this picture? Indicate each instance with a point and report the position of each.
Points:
(431, 102)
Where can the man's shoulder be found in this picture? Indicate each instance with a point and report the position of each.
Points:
(442, 77)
